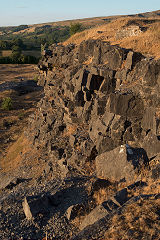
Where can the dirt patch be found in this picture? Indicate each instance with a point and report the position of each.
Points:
(12, 122)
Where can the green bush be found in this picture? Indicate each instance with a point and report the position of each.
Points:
(74, 28)
(35, 78)
(7, 103)
(21, 116)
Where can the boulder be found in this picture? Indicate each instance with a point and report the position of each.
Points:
(34, 205)
(9, 182)
(126, 104)
(76, 211)
(26, 209)
(95, 215)
(149, 119)
(5, 180)
(151, 73)
(156, 172)
(151, 144)
(121, 163)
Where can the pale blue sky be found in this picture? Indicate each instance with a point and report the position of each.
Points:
(17, 12)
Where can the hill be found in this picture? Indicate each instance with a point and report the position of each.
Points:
(37, 34)
(138, 33)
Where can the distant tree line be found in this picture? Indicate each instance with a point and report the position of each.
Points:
(16, 57)
(19, 60)
(46, 34)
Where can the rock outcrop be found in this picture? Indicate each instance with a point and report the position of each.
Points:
(97, 98)
(97, 132)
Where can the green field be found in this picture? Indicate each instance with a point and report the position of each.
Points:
(34, 53)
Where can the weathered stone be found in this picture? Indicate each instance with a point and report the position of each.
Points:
(95, 215)
(129, 60)
(121, 196)
(63, 167)
(151, 144)
(102, 89)
(96, 129)
(76, 211)
(34, 205)
(94, 82)
(121, 75)
(80, 98)
(27, 209)
(120, 163)
(5, 180)
(105, 144)
(156, 172)
(149, 120)
(128, 31)
(151, 74)
(126, 105)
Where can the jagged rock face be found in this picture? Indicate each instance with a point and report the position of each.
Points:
(96, 98)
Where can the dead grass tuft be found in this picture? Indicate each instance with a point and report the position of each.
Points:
(103, 194)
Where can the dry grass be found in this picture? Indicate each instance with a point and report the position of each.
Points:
(147, 42)
(71, 129)
(15, 72)
(13, 158)
(6, 53)
(103, 194)
(139, 220)
(27, 30)
(11, 142)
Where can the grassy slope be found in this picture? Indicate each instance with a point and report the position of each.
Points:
(86, 22)
(148, 42)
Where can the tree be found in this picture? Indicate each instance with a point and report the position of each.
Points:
(3, 44)
(18, 42)
(16, 54)
(7, 104)
(74, 28)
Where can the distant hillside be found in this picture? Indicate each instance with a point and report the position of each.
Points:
(143, 37)
(34, 35)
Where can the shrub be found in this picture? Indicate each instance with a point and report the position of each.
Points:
(74, 28)
(21, 116)
(7, 103)
(35, 78)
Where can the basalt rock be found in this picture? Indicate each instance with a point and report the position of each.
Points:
(97, 96)
(122, 163)
(95, 135)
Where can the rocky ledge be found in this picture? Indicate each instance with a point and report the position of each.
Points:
(98, 126)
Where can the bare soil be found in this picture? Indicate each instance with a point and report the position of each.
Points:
(13, 122)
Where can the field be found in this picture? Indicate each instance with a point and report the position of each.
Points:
(7, 53)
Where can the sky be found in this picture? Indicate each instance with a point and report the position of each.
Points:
(18, 12)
